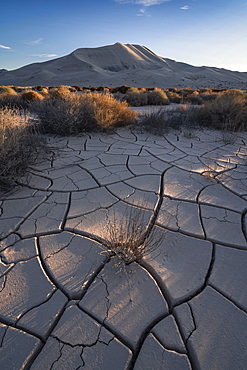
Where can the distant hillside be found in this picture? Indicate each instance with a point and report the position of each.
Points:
(119, 64)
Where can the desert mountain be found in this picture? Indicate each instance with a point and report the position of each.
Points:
(119, 64)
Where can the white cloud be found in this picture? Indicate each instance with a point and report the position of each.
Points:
(35, 42)
(4, 47)
(43, 55)
(143, 13)
(185, 7)
(142, 2)
(145, 3)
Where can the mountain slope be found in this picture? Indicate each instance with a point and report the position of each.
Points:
(119, 64)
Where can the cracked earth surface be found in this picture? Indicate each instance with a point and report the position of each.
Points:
(64, 304)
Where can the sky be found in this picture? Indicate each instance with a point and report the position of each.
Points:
(212, 33)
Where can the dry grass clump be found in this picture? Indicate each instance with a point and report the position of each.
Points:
(159, 122)
(156, 123)
(71, 113)
(228, 112)
(129, 238)
(19, 146)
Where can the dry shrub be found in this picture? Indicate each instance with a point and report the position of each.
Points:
(109, 112)
(77, 87)
(228, 112)
(159, 122)
(8, 97)
(193, 98)
(12, 99)
(30, 96)
(157, 97)
(129, 238)
(39, 88)
(155, 122)
(121, 89)
(59, 92)
(72, 113)
(136, 98)
(185, 92)
(140, 97)
(20, 89)
(208, 96)
(44, 91)
(186, 116)
(19, 146)
(104, 89)
(63, 115)
(174, 97)
(7, 90)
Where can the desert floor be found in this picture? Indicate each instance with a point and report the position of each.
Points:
(64, 304)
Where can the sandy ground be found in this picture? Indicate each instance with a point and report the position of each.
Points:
(64, 304)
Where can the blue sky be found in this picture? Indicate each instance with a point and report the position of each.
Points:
(198, 32)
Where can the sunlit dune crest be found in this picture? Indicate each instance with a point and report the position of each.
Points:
(119, 64)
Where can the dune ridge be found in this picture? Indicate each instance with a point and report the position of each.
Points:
(120, 64)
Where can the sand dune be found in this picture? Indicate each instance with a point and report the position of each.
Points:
(119, 64)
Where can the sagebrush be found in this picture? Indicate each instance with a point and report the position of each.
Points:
(72, 114)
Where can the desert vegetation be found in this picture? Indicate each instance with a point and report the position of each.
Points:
(140, 97)
(70, 110)
(73, 109)
(226, 112)
(67, 113)
(20, 145)
(129, 238)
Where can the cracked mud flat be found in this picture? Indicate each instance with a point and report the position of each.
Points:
(64, 304)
